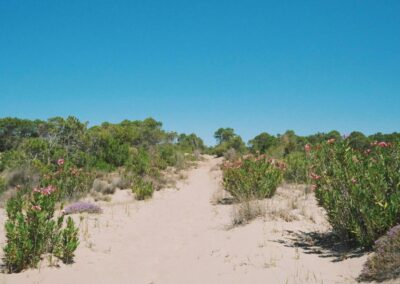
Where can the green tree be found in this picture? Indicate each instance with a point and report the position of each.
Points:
(262, 142)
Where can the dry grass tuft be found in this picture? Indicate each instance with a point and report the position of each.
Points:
(247, 211)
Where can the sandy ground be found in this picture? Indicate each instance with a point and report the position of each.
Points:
(181, 236)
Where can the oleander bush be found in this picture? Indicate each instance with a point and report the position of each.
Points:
(252, 178)
(32, 230)
(384, 263)
(71, 182)
(359, 188)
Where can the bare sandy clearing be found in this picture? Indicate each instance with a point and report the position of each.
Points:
(179, 236)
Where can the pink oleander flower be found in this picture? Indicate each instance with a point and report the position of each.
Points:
(315, 176)
(48, 190)
(60, 162)
(307, 147)
(36, 208)
(331, 141)
(383, 144)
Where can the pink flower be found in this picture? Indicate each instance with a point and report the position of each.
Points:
(48, 190)
(315, 176)
(60, 162)
(354, 180)
(307, 147)
(368, 151)
(383, 144)
(37, 190)
(331, 141)
(36, 208)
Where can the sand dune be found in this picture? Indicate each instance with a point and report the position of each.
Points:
(180, 236)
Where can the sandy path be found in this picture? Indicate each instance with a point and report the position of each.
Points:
(180, 237)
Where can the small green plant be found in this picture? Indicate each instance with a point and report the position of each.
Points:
(252, 178)
(143, 189)
(32, 230)
(360, 189)
(3, 185)
(67, 242)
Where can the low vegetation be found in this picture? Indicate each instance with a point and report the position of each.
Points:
(356, 179)
(360, 190)
(252, 178)
(384, 263)
(32, 230)
(64, 160)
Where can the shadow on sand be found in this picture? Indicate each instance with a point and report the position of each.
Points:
(326, 245)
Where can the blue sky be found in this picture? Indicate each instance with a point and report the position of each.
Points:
(199, 65)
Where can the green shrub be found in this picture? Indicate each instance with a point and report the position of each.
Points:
(384, 263)
(67, 242)
(297, 168)
(32, 230)
(360, 190)
(251, 179)
(142, 189)
(3, 185)
(70, 181)
(139, 162)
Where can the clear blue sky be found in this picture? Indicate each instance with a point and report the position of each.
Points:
(199, 65)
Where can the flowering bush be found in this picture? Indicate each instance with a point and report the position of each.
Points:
(32, 230)
(69, 180)
(80, 207)
(252, 178)
(360, 189)
(385, 262)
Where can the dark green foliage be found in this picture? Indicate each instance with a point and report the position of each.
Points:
(262, 142)
(360, 190)
(251, 179)
(358, 140)
(227, 140)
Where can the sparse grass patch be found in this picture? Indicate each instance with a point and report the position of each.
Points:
(384, 263)
(246, 211)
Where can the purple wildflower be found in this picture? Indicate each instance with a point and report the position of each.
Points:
(81, 206)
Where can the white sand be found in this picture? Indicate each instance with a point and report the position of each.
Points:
(179, 236)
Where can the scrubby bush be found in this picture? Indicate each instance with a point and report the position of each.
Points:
(70, 181)
(297, 167)
(32, 230)
(142, 189)
(3, 185)
(360, 189)
(384, 263)
(252, 178)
